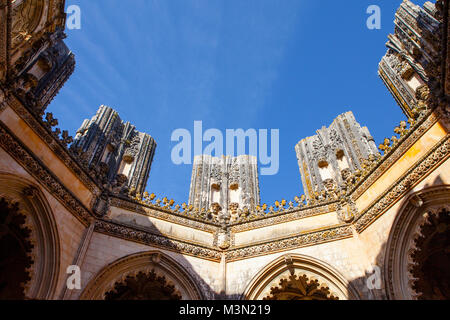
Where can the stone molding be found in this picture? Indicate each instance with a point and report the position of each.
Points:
(145, 262)
(397, 151)
(406, 228)
(44, 234)
(437, 155)
(32, 165)
(293, 242)
(36, 169)
(143, 236)
(54, 144)
(261, 284)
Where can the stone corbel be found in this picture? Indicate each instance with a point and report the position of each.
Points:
(223, 239)
(101, 205)
(290, 264)
(346, 210)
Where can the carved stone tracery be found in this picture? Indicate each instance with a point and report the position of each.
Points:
(417, 249)
(15, 252)
(143, 286)
(430, 261)
(144, 276)
(300, 288)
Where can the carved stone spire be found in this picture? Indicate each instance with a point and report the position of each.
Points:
(120, 155)
(34, 61)
(328, 158)
(411, 65)
(224, 184)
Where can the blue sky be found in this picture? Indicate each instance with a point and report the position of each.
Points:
(292, 65)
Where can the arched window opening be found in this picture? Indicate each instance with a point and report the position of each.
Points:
(143, 286)
(324, 170)
(107, 153)
(126, 165)
(15, 250)
(235, 193)
(215, 193)
(431, 259)
(300, 288)
(342, 160)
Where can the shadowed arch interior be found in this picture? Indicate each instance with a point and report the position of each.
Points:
(417, 249)
(134, 276)
(299, 277)
(34, 231)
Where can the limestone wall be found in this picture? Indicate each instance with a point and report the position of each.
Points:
(69, 229)
(104, 250)
(354, 258)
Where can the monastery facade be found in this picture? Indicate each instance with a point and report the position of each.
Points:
(373, 222)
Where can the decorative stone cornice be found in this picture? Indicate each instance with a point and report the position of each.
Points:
(433, 158)
(53, 143)
(38, 170)
(142, 236)
(294, 242)
(394, 154)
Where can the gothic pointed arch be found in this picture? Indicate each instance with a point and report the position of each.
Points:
(144, 286)
(150, 275)
(417, 257)
(29, 241)
(299, 277)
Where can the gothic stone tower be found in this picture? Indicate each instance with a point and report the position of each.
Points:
(34, 61)
(328, 158)
(121, 155)
(226, 183)
(409, 68)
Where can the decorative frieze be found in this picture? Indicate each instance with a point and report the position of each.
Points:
(433, 158)
(47, 179)
(302, 240)
(425, 122)
(142, 236)
(54, 143)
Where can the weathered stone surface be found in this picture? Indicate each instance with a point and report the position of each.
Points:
(327, 159)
